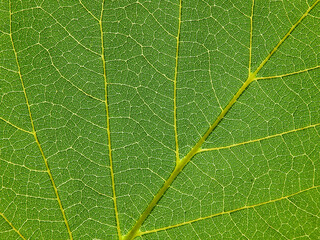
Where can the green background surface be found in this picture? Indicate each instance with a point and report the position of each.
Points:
(101, 101)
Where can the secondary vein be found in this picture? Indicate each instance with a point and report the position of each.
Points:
(34, 133)
(114, 198)
(182, 163)
(13, 227)
(175, 89)
(230, 211)
(251, 30)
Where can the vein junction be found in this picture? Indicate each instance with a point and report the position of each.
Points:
(135, 231)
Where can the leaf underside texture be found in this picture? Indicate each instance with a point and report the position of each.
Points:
(159, 119)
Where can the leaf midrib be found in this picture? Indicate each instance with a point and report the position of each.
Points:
(181, 163)
(134, 232)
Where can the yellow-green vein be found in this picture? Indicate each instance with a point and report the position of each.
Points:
(65, 29)
(19, 128)
(259, 139)
(286, 36)
(135, 230)
(175, 88)
(114, 197)
(230, 211)
(34, 130)
(94, 17)
(10, 223)
(62, 76)
(251, 30)
(288, 74)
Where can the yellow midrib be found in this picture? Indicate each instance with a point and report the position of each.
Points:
(135, 231)
(181, 163)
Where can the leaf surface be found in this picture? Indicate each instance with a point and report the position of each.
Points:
(159, 119)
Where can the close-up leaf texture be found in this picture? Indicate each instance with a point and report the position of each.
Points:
(159, 119)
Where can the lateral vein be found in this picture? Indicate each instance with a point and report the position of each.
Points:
(289, 74)
(15, 126)
(135, 231)
(251, 30)
(175, 89)
(114, 198)
(259, 139)
(286, 36)
(229, 212)
(13, 227)
(34, 133)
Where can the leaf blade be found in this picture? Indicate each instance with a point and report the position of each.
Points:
(114, 86)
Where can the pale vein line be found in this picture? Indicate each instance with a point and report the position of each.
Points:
(9, 70)
(227, 31)
(142, 54)
(229, 212)
(154, 67)
(89, 11)
(19, 128)
(175, 89)
(69, 32)
(22, 166)
(251, 30)
(5, 33)
(289, 74)
(259, 139)
(84, 184)
(34, 130)
(114, 197)
(156, 20)
(270, 226)
(286, 36)
(179, 167)
(16, 230)
(78, 42)
(210, 75)
(237, 227)
(85, 93)
(304, 210)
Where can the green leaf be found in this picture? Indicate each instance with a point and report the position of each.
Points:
(159, 119)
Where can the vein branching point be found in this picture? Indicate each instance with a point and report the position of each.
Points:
(135, 231)
(114, 197)
(106, 28)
